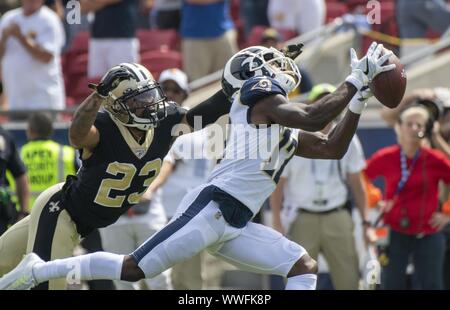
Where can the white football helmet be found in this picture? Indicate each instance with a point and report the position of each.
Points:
(259, 61)
(137, 101)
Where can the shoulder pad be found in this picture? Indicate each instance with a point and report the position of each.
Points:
(259, 87)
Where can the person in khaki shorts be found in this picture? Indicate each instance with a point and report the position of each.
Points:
(309, 206)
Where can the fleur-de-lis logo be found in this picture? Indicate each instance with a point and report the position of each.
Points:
(54, 207)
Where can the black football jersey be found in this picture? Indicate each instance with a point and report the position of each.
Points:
(118, 172)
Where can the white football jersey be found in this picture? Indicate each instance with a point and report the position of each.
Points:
(254, 156)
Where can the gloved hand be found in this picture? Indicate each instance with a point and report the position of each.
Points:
(366, 69)
(110, 81)
(359, 100)
(365, 93)
(292, 51)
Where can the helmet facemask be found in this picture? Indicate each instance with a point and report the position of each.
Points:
(259, 61)
(281, 68)
(143, 107)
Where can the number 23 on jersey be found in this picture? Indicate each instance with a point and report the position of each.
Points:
(128, 171)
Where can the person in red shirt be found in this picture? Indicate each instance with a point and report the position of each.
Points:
(412, 174)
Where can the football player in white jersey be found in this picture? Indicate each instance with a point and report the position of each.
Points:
(216, 216)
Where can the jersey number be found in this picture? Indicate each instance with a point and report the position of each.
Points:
(287, 146)
(128, 171)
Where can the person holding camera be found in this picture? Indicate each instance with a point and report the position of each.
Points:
(436, 135)
(412, 173)
(437, 101)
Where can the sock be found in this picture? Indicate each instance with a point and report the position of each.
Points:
(302, 282)
(95, 266)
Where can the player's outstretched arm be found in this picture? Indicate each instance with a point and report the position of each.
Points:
(82, 132)
(277, 109)
(335, 144)
(208, 111)
(331, 146)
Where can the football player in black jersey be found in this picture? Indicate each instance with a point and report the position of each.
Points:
(121, 148)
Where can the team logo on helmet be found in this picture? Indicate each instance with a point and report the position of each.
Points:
(137, 101)
(259, 61)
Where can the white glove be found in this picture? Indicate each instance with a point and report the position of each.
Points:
(365, 93)
(364, 70)
(359, 100)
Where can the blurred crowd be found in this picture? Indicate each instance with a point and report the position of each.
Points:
(63, 45)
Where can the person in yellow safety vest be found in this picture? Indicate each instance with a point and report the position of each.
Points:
(47, 161)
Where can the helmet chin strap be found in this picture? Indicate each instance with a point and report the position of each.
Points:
(286, 81)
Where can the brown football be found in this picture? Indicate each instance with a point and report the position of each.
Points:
(389, 87)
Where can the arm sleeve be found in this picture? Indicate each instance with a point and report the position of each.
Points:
(209, 110)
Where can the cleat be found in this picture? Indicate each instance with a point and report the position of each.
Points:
(21, 277)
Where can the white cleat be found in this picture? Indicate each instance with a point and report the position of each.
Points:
(21, 277)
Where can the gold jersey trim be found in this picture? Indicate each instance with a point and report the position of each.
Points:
(139, 150)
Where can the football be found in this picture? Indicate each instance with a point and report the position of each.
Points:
(389, 87)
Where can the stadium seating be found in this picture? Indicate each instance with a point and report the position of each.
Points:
(79, 44)
(77, 65)
(234, 10)
(154, 39)
(159, 60)
(80, 89)
(387, 26)
(74, 70)
(334, 10)
(158, 52)
(256, 33)
(352, 4)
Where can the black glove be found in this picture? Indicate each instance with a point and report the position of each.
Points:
(110, 81)
(292, 51)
